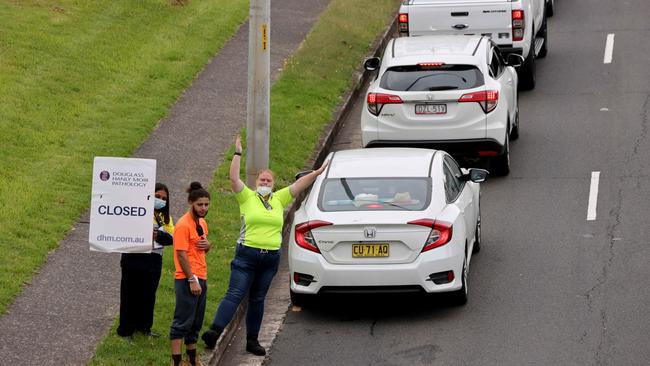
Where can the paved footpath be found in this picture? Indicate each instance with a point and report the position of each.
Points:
(71, 303)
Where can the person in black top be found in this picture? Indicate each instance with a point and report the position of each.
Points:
(141, 272)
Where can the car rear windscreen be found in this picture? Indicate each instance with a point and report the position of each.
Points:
(375, 194)
(422, 78)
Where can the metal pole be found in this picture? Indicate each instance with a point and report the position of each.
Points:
(259, 68)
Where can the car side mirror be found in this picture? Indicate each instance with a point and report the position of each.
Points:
(372, 64)
(478, 175)
(515, 60)
(302, 174)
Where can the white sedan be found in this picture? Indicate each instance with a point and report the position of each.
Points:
(453, 93)
(386, 220)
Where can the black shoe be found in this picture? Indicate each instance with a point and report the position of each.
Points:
(211, 336)
(125, 333)
(254, 347)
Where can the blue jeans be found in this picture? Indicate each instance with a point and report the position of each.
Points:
(252, 271)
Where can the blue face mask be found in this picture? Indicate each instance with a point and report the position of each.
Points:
(159, 204)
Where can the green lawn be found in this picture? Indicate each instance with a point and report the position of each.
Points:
(80, 79)
(302, 103)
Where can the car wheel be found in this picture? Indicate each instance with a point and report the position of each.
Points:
(527, 77)
(459, 297)
(542, 53)
(477, 234)
(550, 8)
(501, 164)
(298, 299)
(514, 134)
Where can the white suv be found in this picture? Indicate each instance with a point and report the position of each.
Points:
(452, 93)
(517, 26)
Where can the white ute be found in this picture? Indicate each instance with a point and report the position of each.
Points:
(516, 26)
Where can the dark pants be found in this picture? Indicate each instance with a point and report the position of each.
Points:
(252, 271)
(189, 312)
(140, 277)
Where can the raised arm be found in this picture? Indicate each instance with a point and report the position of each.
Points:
(236, 183)
(305, 181)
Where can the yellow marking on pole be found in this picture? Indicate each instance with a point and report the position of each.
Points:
(264, 40)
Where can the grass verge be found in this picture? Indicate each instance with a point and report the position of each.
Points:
(303, 100)
(80, 79)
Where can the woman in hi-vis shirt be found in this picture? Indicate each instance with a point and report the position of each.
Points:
(257, 255)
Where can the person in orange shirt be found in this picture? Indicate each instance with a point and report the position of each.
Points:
(190, 284)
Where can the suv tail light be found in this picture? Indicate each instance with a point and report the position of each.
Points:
(440, 235)
(518, 25)
(376, 101)
(304, 237)
(403, 23)
(487, 99)
(430, 65)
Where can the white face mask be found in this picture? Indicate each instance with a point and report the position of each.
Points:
(264, 191)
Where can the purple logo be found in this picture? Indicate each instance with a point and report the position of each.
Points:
(104, 175)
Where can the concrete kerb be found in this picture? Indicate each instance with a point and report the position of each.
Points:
(325, 142)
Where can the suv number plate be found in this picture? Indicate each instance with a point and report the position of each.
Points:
(430, 108)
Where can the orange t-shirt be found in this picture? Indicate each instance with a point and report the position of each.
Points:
(185, 238)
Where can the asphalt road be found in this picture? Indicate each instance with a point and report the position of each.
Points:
(549, 287)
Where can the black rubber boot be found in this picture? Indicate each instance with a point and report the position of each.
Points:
(211, 336)
(254, 347)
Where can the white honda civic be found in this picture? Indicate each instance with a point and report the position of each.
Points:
(386, 220)
(453, 93)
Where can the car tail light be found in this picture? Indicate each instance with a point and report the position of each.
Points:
(376, 101)
(375, 205)
(518, 25)
(304, 237)
(487, 153)
(487, 99)
(440, 235)
(403, 23)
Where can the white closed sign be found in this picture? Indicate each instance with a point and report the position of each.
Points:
(121, 216)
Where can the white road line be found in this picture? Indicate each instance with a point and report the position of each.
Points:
(609, 49)
(593, 196)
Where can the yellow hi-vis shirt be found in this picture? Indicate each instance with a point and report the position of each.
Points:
(261, 227)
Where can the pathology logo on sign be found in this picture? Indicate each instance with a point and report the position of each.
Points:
(124, 178)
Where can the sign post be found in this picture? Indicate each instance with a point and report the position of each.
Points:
(259, 70)
(121, 210)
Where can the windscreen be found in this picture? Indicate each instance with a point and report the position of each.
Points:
(375, 194)
(419, 78)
